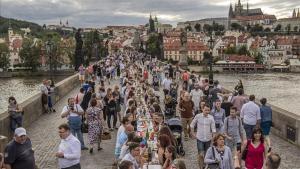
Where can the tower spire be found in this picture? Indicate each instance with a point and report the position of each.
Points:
(247, 7)
(298, 14)
(294, 13)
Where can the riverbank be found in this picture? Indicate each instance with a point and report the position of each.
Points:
(39, 73)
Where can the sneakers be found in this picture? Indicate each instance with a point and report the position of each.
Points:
(111, 129)
(84, 148)
(100, 148)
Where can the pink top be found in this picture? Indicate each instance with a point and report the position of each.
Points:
(255, 156)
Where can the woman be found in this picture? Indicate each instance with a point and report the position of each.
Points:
(15, 113)
(162, 143)
(105, 102)
(166, 130)
(50, 93)
(239, 85)
(170, 155)
(219, 153)
(178, 164)
(266, 120)
(95, 123)
(117, 95)
(134, 155)
(111, 112)
(255, 150)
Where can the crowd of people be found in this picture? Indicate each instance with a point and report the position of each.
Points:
(230, 130)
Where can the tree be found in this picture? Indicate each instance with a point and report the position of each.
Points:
(153, 45)
(236, 26)
(206, 60)
(256, 28)
(197, 27)
(207, 28)
(230, 50)
(92, 42)
(277, 28)
(288, 28)
(259, 58)
(30, 54)
(243, 50)
(188, 28)
(4, 56)
(295, 28)
(267, 30)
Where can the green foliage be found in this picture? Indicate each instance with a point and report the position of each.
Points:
(243, 50)
(230, 50)
(188, 28)
(259, 58)
(256, 28)
(277, 28)
(4, 56)
(207, 28)
(17, 24)
(30, 54)
(197, 27)
(288, 28)
(295, 28)
(92, 41)
(153, 45)
(237, 27)
(267, 30)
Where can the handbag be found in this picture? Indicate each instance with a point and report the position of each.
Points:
(215, 165)
(105, 135)
(84, 126)
(244, 153)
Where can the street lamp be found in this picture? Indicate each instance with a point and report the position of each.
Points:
(211, 46)
(49, 49)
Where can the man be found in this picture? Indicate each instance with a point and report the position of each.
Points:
(44, 91)
(219, 115)
(18, 153)
(185, 78)
(250, 114)
(126, 165)
(167, 84)
(233, 131)
(273, 161)
(69, 149)
(186, 108)
(81, 72)
(122, 139)
(239, 101)
(196, 95)
(73, 113)
(205, 130)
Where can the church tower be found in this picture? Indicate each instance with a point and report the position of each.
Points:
(294, 14)
(230, 14)
(298, 14)
(239, 8)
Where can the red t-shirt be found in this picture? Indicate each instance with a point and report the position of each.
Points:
(185, 76)
(145, 75)
(255, 156)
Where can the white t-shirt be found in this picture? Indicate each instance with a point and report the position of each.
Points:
(167, 83)
(196, 97)
(77, 108)
(250, 113)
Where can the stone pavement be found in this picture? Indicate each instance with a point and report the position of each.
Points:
(45, 141)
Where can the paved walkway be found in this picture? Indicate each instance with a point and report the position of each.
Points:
(45, 140)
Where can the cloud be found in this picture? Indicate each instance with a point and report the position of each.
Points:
(98, 13)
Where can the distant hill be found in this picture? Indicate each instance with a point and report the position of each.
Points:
(17, 24)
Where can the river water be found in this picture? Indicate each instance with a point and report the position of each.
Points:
(280, 89)
(20, 88)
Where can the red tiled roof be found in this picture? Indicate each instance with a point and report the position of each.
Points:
(192, 45)
(17, 43)
(284, 41)
(239, 58)
(256, 17)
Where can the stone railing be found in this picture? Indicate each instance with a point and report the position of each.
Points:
(285, 124)
(33, 106)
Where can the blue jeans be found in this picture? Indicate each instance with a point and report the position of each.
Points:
(75, 127)
(203, 146)
(16, 122)
(248, 129)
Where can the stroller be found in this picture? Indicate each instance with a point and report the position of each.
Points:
(155, 83)
(176, 128)
(170, 106)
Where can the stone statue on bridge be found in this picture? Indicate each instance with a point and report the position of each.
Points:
(183, 49)
(78, 50)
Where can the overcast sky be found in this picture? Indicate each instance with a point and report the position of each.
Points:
(99, 13)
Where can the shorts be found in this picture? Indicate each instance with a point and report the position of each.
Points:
(266, 127)
(81, 77)
(203, 146)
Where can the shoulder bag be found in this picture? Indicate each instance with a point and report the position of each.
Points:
(215, 165)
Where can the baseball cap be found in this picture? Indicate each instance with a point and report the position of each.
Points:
(20, 131)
